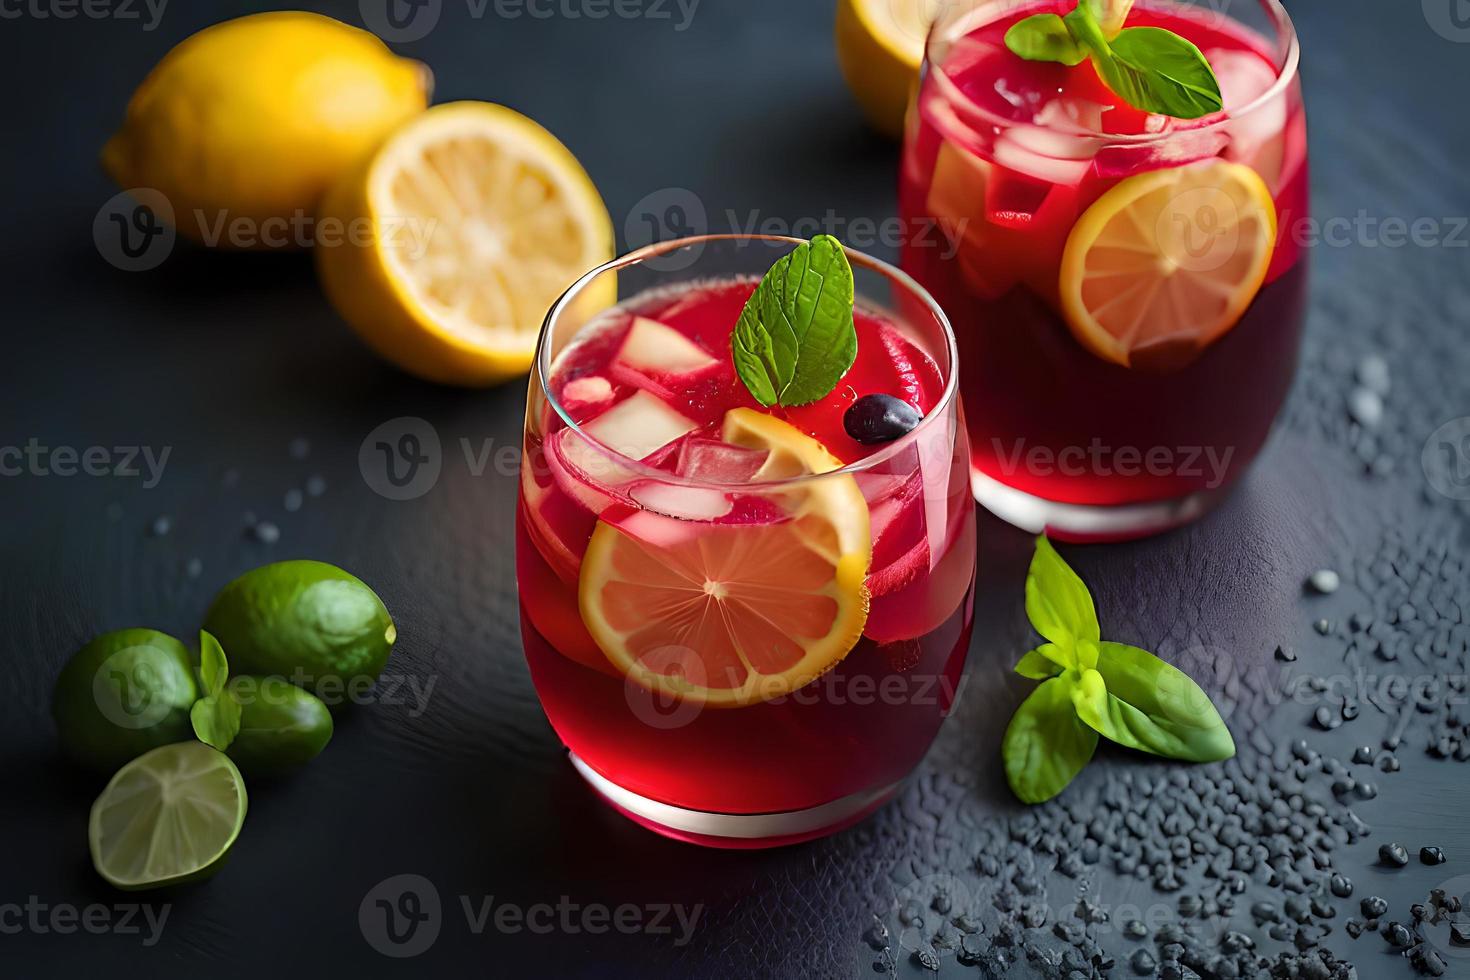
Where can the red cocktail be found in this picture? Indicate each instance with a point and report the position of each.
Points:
(744, 623)
(1125, 287)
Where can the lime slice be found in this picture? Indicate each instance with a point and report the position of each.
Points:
(169, 816)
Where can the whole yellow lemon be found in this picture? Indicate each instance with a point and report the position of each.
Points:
(244, 126)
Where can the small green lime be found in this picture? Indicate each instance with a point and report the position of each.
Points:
(312, 623)
(122, 694)
(280, 724)
(167, 817)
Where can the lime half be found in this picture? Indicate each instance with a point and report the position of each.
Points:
(169, 816)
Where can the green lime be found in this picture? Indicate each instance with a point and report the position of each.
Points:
(122, 694)
(169, 816)
(309, 622)
(280, 724)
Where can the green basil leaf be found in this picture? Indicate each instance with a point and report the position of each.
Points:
(1110, 15)
(1156, 707)
(214, 669)
(1044, 37)
(1043, 662)
(795, 338)
(1090, 699)
(216, 719)
(1058, 603)
(1159, 71)
(1046, 745)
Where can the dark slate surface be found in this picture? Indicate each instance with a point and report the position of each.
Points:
(227, 359)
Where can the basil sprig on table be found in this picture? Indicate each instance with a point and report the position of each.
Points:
(1148, 67)
(795, 338)
(216, 715)
(1092, 687)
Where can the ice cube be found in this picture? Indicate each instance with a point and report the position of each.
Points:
(652, 346)
(714, 461)
(686, 503)
(1055, 158)
(957, 191)
(1244, 77)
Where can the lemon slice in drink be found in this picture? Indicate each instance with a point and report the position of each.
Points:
(735, 614)
(445, 249)
(167, 817)
(1166, 262)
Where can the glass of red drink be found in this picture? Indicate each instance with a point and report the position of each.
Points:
(1125, 287)
(745, 625)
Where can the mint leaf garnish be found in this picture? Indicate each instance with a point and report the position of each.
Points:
(1150, 68)
(1093, 687)
(1045, 37)
(216, 716)
(795, 338)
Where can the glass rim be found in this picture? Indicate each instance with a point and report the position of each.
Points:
(1285, 76)
(947, 396)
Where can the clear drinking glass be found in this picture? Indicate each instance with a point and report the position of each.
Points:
(737, 647)
(1127, 290)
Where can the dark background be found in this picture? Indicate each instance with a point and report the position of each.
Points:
(228, 358)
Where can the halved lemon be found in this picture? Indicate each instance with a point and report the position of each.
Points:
(880, 45)
(735, 614)
(446, 247)
(1165, 263)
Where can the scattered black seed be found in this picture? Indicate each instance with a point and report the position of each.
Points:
(1341, 885)
(1364, 754)
(1432, 964)
(1393, 854)
(1389, 763)
(1374, 907)
(971, 951)
(987, 865)
(1354, 928)
(1324, 581)
(1367, 791)
(1135, 929)
(1398, 935)
(926, 957)
(1142, 963)
(1285, 654)
(1322, 626)
(876, 935)
(1419, 911)
(1326, 718)
(1350, 710)
(1432, 855)
(911, 912)
(1460, 933)
(879, 418)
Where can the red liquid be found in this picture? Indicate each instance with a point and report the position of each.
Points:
(861, 726)
(1046, 415)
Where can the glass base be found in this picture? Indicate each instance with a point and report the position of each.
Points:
(1086, 522)
(736, 830)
